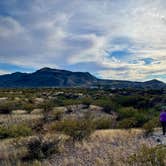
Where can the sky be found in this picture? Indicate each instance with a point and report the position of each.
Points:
(112, 39)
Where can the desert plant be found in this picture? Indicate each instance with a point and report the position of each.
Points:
(150, 126)
(40, 148)
(152, 156)
(126, 112)
(127, 123)
(86, 101)
(15, 131)
(107, 104)
(103, 123)
(7, 107)
(76, 129)
(57, 115)
(28, 106)
(47, 107)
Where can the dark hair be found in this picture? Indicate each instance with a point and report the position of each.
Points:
(163, 108)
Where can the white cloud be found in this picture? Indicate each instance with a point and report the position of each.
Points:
(61, 33)
(9, 27)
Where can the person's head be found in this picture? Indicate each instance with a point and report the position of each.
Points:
(163, 109)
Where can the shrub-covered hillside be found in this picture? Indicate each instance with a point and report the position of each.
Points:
(40, 126)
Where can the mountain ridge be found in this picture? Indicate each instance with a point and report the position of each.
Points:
(49, 77)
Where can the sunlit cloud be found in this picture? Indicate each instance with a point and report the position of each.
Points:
(118, 39)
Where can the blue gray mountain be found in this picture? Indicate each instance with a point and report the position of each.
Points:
(47, 77)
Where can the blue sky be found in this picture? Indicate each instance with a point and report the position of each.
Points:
(115, 39)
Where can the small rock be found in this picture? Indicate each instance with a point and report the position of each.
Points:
(37, 111)
(19, 112)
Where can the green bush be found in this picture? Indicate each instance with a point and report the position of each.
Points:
(127, 123)
(7, 107)
(103, 123)
(39, 148)
(107, 104)
(150, 125)
(140, 116)
(86, 101)
(47, 107)
(133, 100)
(76, 129)
(127, 112)
(4, 133)
(67, 102)
(28, 106)
(149, 156)
(57, 115)
(15, 131)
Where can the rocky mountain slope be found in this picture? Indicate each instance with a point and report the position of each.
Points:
(47, 77)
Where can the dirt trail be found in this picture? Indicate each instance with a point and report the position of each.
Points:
(158, 137)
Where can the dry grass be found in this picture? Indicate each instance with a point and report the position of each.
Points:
(105, 147)
(17, 119)
(12, 150)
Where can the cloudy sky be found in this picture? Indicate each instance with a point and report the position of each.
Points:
(115, 39)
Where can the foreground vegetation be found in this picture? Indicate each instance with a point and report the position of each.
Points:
(39, 126)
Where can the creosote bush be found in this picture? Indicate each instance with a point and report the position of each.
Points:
(127, 123)
(7, 107)
(47, 107)
(133, 117)
(107, 104)
(103, 123)
(149, 156)
(40, 148)
(15, 131)
(76, 129)
(150, 126)
(57, 115)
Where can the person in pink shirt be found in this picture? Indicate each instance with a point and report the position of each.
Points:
(163, 120)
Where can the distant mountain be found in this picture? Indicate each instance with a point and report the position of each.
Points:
(47, 77)
(152, 84)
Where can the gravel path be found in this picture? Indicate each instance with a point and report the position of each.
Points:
(158, 137)
(104, 148)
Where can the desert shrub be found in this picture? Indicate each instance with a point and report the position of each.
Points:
(76, 129)
(15, 131)
(103, 123)
(7, 107)
(152, 156)
(87, 101)
(135, 100)
(67, 102)
(126, 112)
(140, 116)
(3, 132)
(107, 104)
(47, 107)
(20, 130)
(150, 125)
(39, 148)
(127, 123)
(28, 106)
(57, 115)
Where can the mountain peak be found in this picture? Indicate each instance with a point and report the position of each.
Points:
(45, 69)
(154, 81)
(49, 77)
